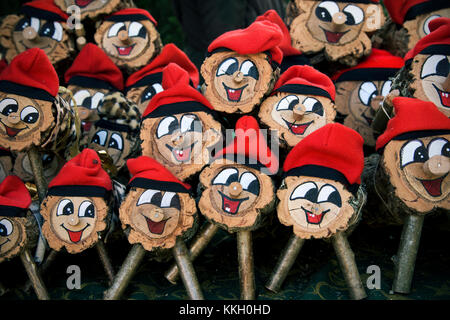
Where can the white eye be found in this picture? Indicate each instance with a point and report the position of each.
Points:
(35, 24)
(8, 106)
(29, 114)
(190, 122)
(246, 179)
(96, 98)
(167, 199)
(146, 196)
(115, 28)
(166, 126)
(366, 92)
(355, 15)
(329, 9)
(86, 209)
(135, 29)
(436, 147)
(309, 104)
(116, 141)
(229, 66)
(413, 151)
(65, 207)
(6, 227)
(79, 97)
(328, 193)
(426, 24)
(248, 68)
(287, 103)
(100, 137)
(386, 88)
(58, 33)
(435, 65)
(224, 175)
(158, 88)
(301, 191)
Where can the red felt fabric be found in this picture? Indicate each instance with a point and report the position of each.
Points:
(134, 11)
(13, 193)
(47, 5)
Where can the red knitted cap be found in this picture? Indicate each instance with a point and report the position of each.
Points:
(44, 9)
(93, 63)
(413, 115)
(3, 65)
(333, 146)
(402, 10)
(260, 36)
(131, 14)
(13, 193)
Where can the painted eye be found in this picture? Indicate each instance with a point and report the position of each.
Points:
(150, 196)
(226, 176)
(307, 190)
(229, 66)
(439, 146)
(52, 30)
(8, 106)
(167, 126)
(326, 9)
(29, 114)
(116, 142)
(386, 88)
(313, 105)
(22, 24)
(413, 151)
(355, 15)
(150, 91)
(287, 103)
(170, 200)
(115, 29)
(248, 68)
(47, 159)
(6, 227)
(435, 65)
(82, 98)
(426, 24)
(96, 99)
(86, 210)
(328, 193)
(65, 208)
(250, 183)
(136, 29)
(367, 91)
(191, 123)
(100, 138)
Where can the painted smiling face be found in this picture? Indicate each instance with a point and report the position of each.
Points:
(142, 95)
(89, 8)
(116, 143)
(12, 236)
(419, 171)
(295, 116)
(87, 100)
(431, 80)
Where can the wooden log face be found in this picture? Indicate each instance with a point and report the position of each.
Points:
(6, 166)
(405, 161)
(430, 80)
(89, 8)
(142, 95)
(13, 236)
(73, 222)
(359, 101)
(419, 26)
(237, 83)
(50, 36)
(181, 142)
(315, 207)
(339, 28)
(157, 217)
(235, 194)
(51, 164)
(23, 120)
(277, 112)
(139, 47)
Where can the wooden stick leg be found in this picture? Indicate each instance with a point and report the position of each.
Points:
(105, 260)
(285, 262)
(126, 272)
(40, 250)
(181, 255)
(198, 244)
(43, 268)
(246, 270)
(346, 259)
(407, 252)
(33, 274)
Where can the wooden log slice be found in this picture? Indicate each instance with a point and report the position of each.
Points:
(51, 164)
(93, 8)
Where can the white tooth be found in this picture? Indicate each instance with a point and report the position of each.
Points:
(227, 209)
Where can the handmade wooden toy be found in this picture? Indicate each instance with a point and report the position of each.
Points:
(411, 21)
(178, 127)
(301, 102)
(19, 230)
(242, 67)
(158, 213)
(145, 83)
(42, 25)
(117, 131)
(360, 91)
(6, 163)
(93, 8)
(129, 37)
(51, 164)
(412, 176)
(321, 197)
(338, 28)
(76, 207)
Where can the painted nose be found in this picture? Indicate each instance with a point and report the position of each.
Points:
(177, 139)
(238, 77)
(30, 34)
(123, 36)
(157, 215)
(339, 19)
(74, 220)
(83, 113)
(437, 165)
(299, 111)
(376, 102)
(235, 189)
(13, 118)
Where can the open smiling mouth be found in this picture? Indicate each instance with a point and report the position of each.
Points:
(444, 96)
(75, 236)
(124, 51)
(234, 95)
(298, 128)
(156, 227)
(333, 37)
(182, 155)
(11, 132)
(433, 187)
(1, 244)
(231, 206)
(83, 3)
(314, 218)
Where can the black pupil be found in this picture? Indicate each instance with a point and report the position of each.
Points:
(446, 150)
(87, 103)
(232, 178)
(421, 154)
(335, 198)
(292, 104)
(318, 108)
(68, 209)
(25, 22)
(173, 126)
(253, 187)
(9, 109)
(3, 231)
(232, 68)
(374, 94)
(253, 72)
(142, 33)
(311, 195)
(156, 199)
(47, 30)
(31, 117)
(443, 68)
(96, 139)
(47, 159)
(148, 94)
(90, 211)
(175, 202)
(323, 14)
(350, 19)
(113, 144)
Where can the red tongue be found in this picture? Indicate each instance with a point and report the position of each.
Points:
(299, 129)
(232, 205)
(87, 126)
(313, 219)
(184, 156)
(75, 236)
(124, 51)
(433, 187)
(82, 3)
(11, 132)
(156, 227)
(445, 98)
(234, 96)
(333, 37)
